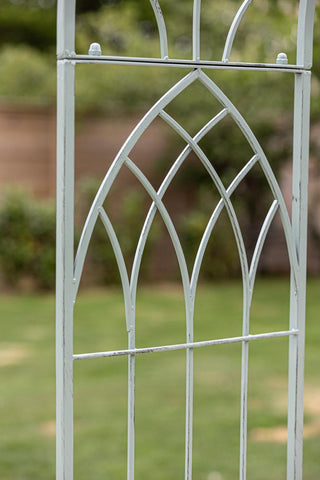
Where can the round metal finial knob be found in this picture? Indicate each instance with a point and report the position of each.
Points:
(282, 59)
(95, 49)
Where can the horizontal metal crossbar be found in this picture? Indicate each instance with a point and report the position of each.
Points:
(180, 63)
(183, 346)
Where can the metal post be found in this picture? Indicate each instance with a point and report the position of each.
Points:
(298, 292)
(64, 255)
(64, 270)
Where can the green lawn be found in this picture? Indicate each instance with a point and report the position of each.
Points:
(27, 386)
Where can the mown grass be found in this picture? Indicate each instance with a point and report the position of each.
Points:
(27, 386)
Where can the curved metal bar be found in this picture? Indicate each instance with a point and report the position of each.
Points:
(267, 170)
(134, 280)
(233, 29)
(287, 227)
(196, 30)
(259, 245)
(169, 224)
(305, 33)
(130, 324)
(114, 170)
(209, 126)
(90, 223)
(244, 127)
(161, 28)
(189, 308)
(121, 265)
(246, 293)
(213, 219)
(165, 184)
(221, 189)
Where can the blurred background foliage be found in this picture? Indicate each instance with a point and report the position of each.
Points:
(128, 27)
(27, 250)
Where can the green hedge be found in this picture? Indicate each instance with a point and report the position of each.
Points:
(27, 242)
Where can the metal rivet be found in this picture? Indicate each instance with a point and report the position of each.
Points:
(95, 49)
(282, 59)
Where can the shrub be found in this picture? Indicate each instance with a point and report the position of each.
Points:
(27, 76)
(27, 243)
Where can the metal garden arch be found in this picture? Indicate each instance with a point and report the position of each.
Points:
(69, 270)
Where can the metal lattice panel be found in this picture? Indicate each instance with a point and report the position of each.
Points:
(69, 271)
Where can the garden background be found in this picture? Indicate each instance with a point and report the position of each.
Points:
(108, 105)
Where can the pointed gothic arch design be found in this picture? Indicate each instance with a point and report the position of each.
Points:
(69, 271)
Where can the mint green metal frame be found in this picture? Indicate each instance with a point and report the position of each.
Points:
(69, 270)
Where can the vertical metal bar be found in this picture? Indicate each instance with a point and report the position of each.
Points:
(64, 242)
(131, 406)
(244, 410)
(66, 13)
(244, 383)
(64, 271)
(305, 33)
(196, 30)
(298, 292)
(189, 397)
